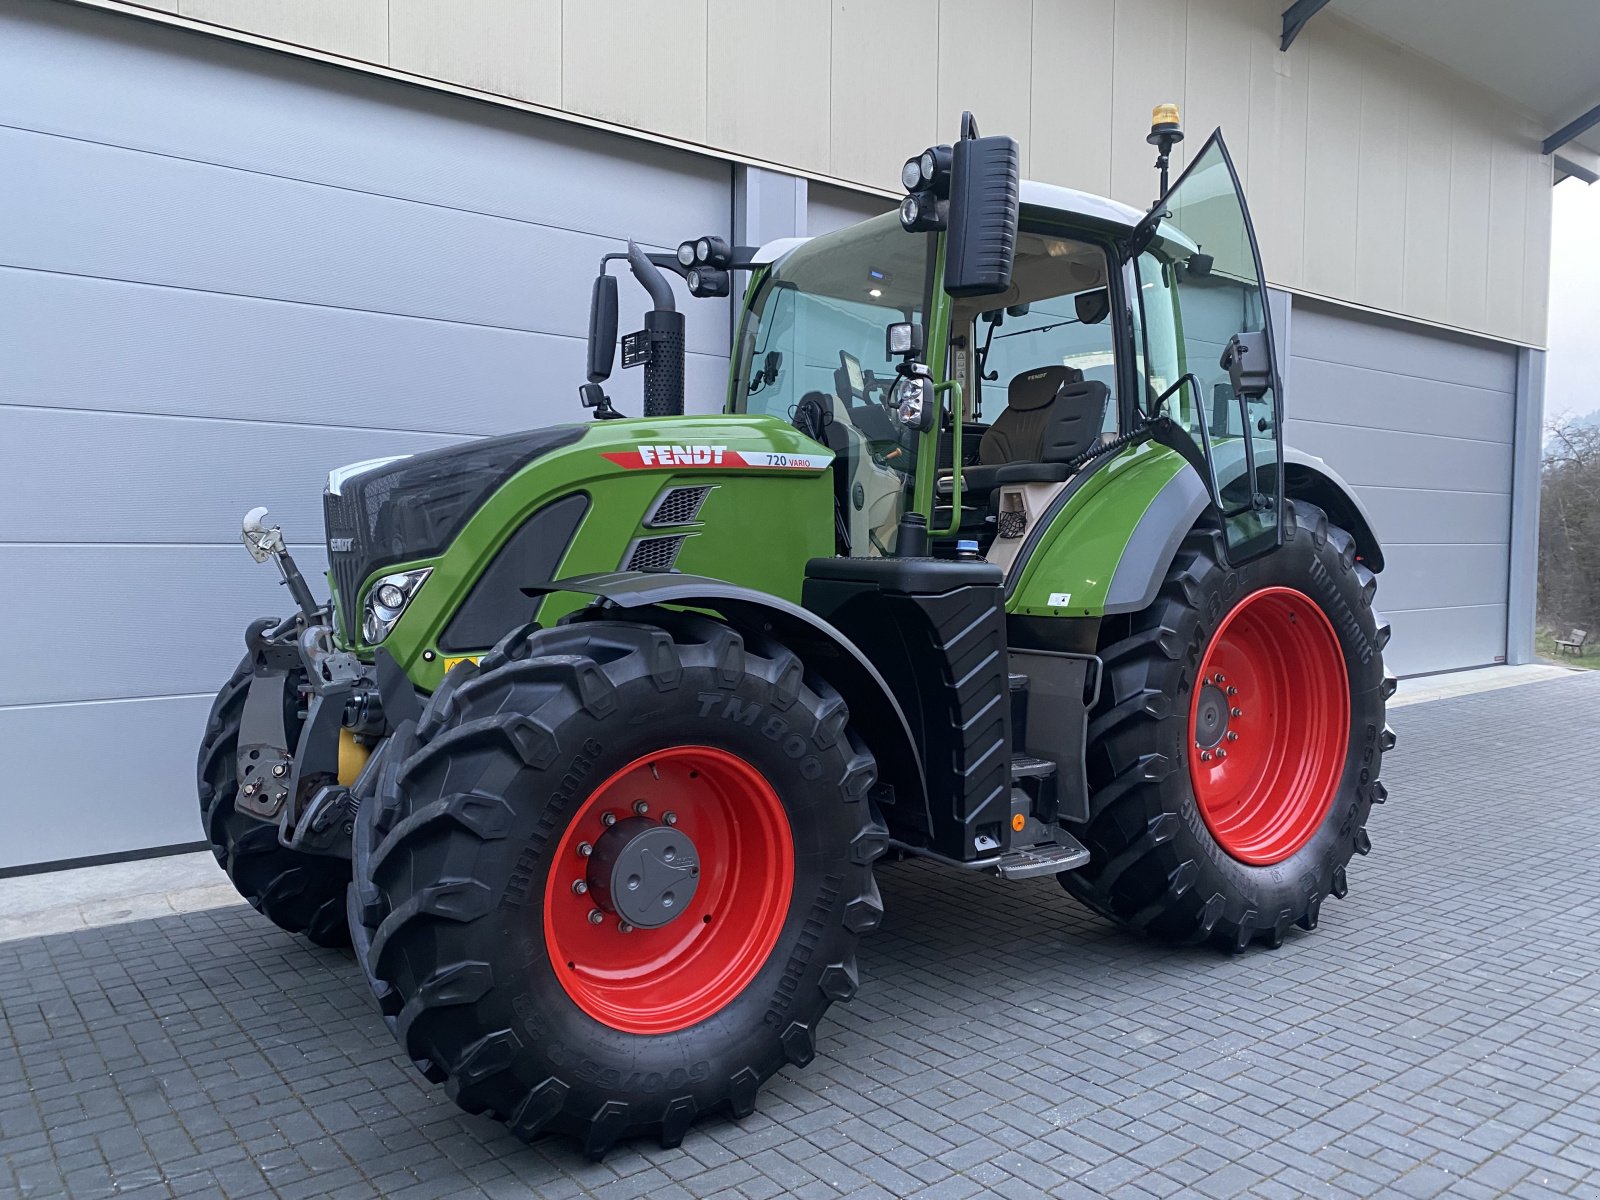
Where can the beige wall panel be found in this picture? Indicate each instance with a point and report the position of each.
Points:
(354, 28)
(508, 47)
(170, 6)
(1508, 224)
(1536, 286)
(884, 56)
(642, 65)
(1147, 69)
(772, 105)
(1276, 181)
(1216, 91)
(1069, 129)
(1471, 162)
(1380, 216)
(1334, 86)
(1428, 137)
(985, 67)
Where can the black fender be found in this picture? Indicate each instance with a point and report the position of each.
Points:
(874, 712)
(1307, 477)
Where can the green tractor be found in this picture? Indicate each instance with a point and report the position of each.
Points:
(995, 556)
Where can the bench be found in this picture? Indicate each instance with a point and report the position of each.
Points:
(1573, 643)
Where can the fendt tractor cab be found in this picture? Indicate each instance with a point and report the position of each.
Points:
(994, 556)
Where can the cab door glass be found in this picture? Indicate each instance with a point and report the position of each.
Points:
(1200, 285)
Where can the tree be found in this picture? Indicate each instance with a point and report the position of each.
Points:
(1569, 527)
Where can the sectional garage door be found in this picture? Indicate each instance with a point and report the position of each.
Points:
(223, 272)
(1421, 423)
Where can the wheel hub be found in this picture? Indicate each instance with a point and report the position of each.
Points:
(643, 872)
(1210, 716)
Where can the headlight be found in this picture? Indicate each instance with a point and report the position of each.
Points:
(388, 600)
(913, 403)
(911, 175)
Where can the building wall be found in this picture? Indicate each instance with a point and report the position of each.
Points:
(208, 306)
(1377, 178)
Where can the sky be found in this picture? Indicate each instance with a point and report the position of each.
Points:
(1572, 370)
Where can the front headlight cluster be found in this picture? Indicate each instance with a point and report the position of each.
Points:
(387, 600)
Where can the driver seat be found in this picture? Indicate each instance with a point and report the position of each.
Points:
(1052, 415)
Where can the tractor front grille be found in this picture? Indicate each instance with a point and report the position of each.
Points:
(677, 506)
(654, 553)
(346, 541)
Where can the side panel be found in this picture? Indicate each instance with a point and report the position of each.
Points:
(1069, 572)
(768, 510)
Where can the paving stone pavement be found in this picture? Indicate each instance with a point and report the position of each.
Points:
(1438, 1035)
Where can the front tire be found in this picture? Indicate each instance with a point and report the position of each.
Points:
(1235, 750)
(302, 893)
(510, 822)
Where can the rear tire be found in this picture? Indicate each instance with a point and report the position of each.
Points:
(1162, 858)
(302, 893)
(468, 856)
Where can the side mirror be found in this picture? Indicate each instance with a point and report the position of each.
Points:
(984, 201)
(602, 328)
(1092, 307)
(1248, 365)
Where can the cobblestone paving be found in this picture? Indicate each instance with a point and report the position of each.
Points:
(1439, 1034)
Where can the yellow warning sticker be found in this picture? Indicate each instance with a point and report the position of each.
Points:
(450, 662)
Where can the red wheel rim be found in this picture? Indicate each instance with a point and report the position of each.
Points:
(1269, 726)
(658, 980)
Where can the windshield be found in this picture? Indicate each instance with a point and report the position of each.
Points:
(815, 333)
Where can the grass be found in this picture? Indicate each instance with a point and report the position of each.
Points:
(1545, 644)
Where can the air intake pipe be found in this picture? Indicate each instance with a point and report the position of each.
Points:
(663, 327)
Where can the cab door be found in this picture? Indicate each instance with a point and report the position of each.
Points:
(1206, 344)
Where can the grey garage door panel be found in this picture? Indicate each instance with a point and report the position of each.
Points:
(180, 352)
(1400, 349)
(1380, 400)
(94, 210)
(1416, 576)
(72, 790)
(829, 208)
(1437, 516)
(1369, 456)
(137, 478)
(1446, 639)
(110, 79)
(110, 622)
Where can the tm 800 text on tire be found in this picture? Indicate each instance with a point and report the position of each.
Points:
(616, 873)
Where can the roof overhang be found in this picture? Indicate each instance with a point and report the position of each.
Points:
(1544, 58)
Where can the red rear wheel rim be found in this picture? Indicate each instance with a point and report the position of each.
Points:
(1269, 726)
(654, 981)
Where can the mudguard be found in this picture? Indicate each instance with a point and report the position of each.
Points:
(874, 711)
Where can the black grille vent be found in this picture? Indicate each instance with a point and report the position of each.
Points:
(677, 506)
(654, 554)
(343, 526)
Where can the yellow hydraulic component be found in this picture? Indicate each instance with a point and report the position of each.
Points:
(352, 757)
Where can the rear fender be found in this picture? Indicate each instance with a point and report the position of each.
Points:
(1307, 477)
(874, 712)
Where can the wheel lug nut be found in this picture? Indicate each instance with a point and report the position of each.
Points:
(609, 819)
(579, 886)
(584, 849)
(279, 771)
(624, 927)
(1233, 691)
(1232, 736)
(1219, 678)
(1205, 756)
(1236, 712)
(596, 916)
(640, 808)
(670, 818)
(1221, 753)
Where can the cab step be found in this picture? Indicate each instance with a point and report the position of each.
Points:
(1066, 853)
(1025, 766)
